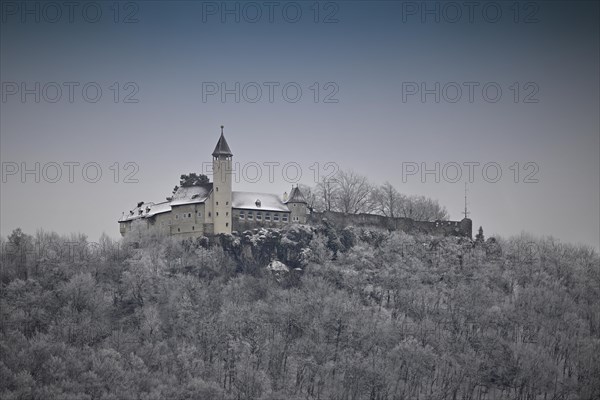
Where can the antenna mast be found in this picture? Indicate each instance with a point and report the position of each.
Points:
(466, 212)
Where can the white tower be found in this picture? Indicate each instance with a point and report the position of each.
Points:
(222, 171)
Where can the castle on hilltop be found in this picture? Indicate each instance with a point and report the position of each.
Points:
(214, 208)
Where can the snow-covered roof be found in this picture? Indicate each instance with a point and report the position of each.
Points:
(146, 210)
(199, 194)
(183, 195)
(267, 201)
(159, 209)
(191, 194)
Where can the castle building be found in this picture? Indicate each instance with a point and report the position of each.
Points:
(214, 207)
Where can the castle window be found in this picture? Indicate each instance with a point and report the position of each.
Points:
(217, 203)
(284, 218)
(176, 216)
(193, 228)
(178, 230)
(209, 213)
(241, 215)
(226, 203)
(250, 216)
(226, 223)
(217, 189)
(199, 214)
(267, 216)
(258, 216)
(227, 213)
(189, 215)
(216, 213)
(276, 217)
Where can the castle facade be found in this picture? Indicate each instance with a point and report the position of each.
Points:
(214, 208)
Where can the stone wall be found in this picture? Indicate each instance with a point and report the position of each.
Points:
(244, 225)
(437, 228)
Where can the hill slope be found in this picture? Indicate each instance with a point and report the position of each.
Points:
(361, 314)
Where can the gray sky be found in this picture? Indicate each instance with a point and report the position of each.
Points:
(385, 87)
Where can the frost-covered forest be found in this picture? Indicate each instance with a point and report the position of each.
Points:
(357, 314)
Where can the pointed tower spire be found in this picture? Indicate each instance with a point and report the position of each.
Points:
(222, 148)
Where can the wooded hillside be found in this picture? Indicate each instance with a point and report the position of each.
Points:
(361, 314)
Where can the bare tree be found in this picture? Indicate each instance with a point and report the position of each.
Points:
(325, 195)
(354, 193)
(310, 194)
(421, 208)
(388, 200)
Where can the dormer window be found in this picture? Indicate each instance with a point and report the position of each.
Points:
(257, 202)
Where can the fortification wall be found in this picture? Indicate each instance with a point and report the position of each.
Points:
(436, 228)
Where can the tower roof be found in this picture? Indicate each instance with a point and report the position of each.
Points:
(296, 196)
(222, 148)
